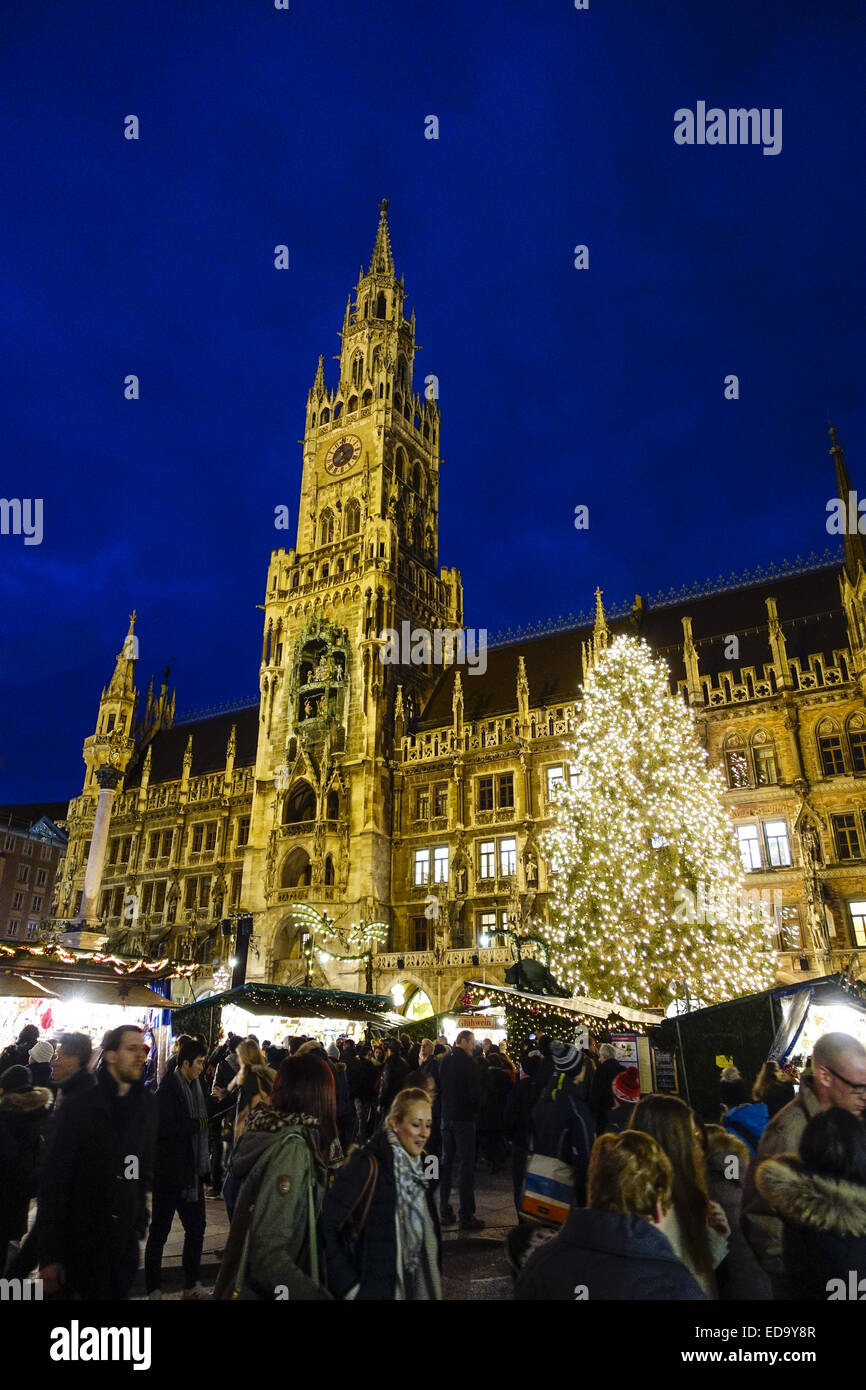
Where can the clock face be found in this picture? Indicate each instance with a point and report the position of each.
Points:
(344, 454)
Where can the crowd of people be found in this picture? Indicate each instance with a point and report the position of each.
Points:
(337, 1166)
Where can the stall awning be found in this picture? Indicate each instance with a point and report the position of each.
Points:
(595, 1008)
(20, 987)
(131, 993)
(297, 1001)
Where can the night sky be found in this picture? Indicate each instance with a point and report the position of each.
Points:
(558, 386)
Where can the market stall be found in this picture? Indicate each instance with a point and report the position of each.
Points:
(276, 1012)
(62, 990)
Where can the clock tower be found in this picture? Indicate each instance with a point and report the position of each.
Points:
(365, 561)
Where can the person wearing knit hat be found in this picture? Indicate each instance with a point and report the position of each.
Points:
(41, 1057)
(16, 1079)
(625, 1089)
(563, 1129)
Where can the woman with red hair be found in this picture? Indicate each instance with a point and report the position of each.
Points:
(283, 1162)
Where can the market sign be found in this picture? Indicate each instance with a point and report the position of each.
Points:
(474, 1021)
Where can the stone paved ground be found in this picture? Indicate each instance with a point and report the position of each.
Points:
(474, 1267)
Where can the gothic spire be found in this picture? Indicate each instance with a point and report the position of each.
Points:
(855, 557)
(382, 262)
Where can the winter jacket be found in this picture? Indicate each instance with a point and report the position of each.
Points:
(601, 1095)
(610, 1256)
(22, 1122)
(824, 1235)
(394, 1073)
(174, 1166)
(748, 1122)
(518, 1112)
(276, 1160)
(781, 1094)
(563, 1128)
(373, 1265)
(496, 1090)
(739, 1276)
(617, 1119)
(460, 1086)
(762, 1228)
(93, 1188)
(362, 1075)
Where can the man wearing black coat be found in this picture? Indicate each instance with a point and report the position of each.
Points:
(96, 1176)
(394, 1073)
(181, 1166)
(601, 1097)
(362, 1074)
(461, 1091)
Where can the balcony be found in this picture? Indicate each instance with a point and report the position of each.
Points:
(806, 963)
(307, 893)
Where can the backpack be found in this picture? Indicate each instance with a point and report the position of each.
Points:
(748, 1122)
(549, 1185)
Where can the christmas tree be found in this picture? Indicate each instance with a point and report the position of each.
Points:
(648, 899)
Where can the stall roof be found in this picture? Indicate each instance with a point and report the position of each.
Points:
(299, 1002)
(596, 1008)
(827, 987)
(104, 991)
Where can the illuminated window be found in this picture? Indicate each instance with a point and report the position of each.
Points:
(507, 857)
(421, 874)
(487, 862)
(750, 847)
(440, 864)
(778, 849)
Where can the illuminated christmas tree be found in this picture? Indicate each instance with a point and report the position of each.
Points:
(648, 898)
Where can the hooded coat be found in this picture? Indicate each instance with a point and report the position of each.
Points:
(276, 1161)
(22, 1122)
(761, 1226)
(824, 1220)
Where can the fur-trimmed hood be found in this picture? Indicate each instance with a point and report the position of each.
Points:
(25, 1102)
(823, 1204)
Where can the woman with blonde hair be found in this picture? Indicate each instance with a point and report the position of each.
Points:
(381, 1225)
(699, 1229)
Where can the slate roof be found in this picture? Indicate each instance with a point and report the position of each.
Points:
(209, 739)
(809, 608)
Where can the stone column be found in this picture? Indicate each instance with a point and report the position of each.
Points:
(108, 778)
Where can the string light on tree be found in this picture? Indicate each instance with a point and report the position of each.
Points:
(642, 820)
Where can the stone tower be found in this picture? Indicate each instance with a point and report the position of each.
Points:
(365, 561)
(113, 739)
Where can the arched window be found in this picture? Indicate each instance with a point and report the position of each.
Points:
(830, 748)
(418, 479)
(400, 463)
(333, 806)
(296, 578)
(737, 762)
(313, 418)
(857, 742)
(367, 398)
(329, 870)
(300, 805)
(353, 405)
(381, 306)
(398, 401)
(357, 369)
(352, 516)
(402, 371)
(326, 527)
(297, 869)
(764, 758)
(325, 416)
(338, 410)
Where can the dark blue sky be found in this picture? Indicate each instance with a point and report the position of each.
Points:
(558, 386)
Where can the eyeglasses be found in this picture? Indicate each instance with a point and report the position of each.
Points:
(858, 1087)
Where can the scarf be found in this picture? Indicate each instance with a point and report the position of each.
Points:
(411, 1202)
(197, 1111)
